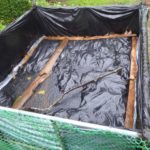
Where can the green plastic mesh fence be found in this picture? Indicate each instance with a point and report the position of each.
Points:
(21, 130)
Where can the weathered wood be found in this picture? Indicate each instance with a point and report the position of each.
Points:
(129, 119)
(44, 73)
(74, 38)
(32, 50)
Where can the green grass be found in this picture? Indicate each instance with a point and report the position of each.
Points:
(43, 3)
(2, 26)
(59, 3)
(99, 2)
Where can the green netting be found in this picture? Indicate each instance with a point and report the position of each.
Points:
(20, 131)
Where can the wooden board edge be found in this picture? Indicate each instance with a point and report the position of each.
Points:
(129, 117)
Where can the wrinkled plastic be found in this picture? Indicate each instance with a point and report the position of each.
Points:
(27, 73)
(4, 100)
(82, 21)
(14, 71)
(102, 102)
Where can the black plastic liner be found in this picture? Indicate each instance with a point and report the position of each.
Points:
(14, 41)
(27, 74)
(62, 21)
(102, 102)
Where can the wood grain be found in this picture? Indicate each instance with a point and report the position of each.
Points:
(129, 118)
(76, 38)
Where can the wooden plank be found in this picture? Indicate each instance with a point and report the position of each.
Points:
(146, 2)
(74, 38)
(44, 73)
(129, 119)
(32, 50)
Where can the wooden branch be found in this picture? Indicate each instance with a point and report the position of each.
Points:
(44, 73)
(44, 110)
(129, 119)
(76, 38)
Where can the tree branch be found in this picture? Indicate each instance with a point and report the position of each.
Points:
(44, 110)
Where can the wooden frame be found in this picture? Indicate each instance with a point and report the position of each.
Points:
(131, 95)
(46, 71)
(77, 38)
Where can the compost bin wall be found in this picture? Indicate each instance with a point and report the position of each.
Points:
(18, 36)
(62, 21)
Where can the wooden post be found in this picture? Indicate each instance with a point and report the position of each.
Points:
(42, 76)
(129, 119)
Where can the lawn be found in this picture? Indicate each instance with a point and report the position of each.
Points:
(18, 8)
(59, 3)
(99, 2)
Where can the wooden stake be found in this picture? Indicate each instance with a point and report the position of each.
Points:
(76, 38)
(45, 72)
(129, 119)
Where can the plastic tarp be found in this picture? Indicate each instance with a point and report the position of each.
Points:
(15, 40)
(28, 72)
(100, 102)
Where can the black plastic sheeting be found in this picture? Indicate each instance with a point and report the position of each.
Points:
(14, 41)
(62, 21)
(102, 102)
(27, 74)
